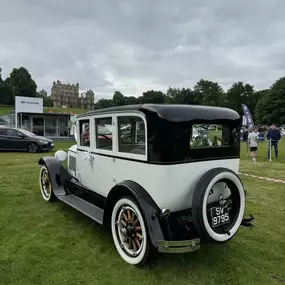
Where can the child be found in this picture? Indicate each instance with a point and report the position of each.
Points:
(252, 142)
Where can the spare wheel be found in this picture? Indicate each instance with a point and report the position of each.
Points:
(218, 205)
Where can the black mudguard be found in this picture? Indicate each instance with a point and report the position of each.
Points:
(58, 174)
(149, 208)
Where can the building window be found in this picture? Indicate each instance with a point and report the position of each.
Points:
(131, 134)
(84, 132)
(104, 134)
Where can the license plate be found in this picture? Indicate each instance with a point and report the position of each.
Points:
(220, 216)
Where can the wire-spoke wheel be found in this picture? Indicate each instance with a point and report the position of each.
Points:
(129, 232)
(33, 148)
(45, 185)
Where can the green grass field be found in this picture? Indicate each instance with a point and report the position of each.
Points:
(4, 110)
(50, 243)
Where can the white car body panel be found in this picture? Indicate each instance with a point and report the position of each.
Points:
(170, 186)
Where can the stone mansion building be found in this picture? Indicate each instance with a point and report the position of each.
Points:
(67, 96)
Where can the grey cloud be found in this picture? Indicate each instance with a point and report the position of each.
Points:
(133, 45)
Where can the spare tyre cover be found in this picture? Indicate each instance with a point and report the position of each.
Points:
(218, 205)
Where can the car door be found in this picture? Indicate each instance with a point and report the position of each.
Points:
(3, 139)
(94, 164)
(84, 165)
(16, 139)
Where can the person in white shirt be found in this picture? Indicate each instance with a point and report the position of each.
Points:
(253, 142)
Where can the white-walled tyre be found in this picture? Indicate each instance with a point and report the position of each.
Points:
(129, 232)
(45, 185)
(218, 205)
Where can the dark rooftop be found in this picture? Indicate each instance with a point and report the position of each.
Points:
(173, 112)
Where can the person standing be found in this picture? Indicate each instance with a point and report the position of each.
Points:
(253, 142)
(245, 138)
(274, 135)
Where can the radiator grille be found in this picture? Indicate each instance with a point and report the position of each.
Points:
(72, 163)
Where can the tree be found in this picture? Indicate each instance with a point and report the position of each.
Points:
(104, 103)
(263, 109)
(118, 99)
(210, 93)
(5, 93)
(152, 96)
(271, 106)
(241, 93)
(20, 83)
(131, 100)
(182, 96)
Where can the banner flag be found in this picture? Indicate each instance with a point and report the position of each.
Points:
(248, 116)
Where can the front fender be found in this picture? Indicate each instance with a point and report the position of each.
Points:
(58, 174)
(150, 210)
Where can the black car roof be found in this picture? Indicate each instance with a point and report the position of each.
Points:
(173, 112)
(12, 128)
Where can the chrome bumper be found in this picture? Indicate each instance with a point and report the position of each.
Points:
(178, 246)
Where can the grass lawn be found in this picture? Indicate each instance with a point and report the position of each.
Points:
(50, 243)
(4, 110)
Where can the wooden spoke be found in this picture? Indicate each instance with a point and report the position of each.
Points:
(125, 217)
(129, 214)
(130, 244)
(132, 217)
(134, 245)
(123, 223)
(136, 222)
(138, 242)
(138, 228)
(139, 236)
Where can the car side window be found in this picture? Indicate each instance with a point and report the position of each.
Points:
(13, 133)
(104, 133)
(3, 132)
(84, 132)
(131, 135)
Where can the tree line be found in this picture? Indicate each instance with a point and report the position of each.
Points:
(20, 83)
(267, 106)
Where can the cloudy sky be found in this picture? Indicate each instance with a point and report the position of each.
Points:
(137, 45)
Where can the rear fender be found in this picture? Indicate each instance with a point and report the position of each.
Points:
(150, 210)
(58, 174)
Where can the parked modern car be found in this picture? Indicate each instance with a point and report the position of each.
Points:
(21, 139)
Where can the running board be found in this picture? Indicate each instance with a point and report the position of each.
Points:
(88, 209)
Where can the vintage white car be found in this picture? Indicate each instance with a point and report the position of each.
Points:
(148, 179)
